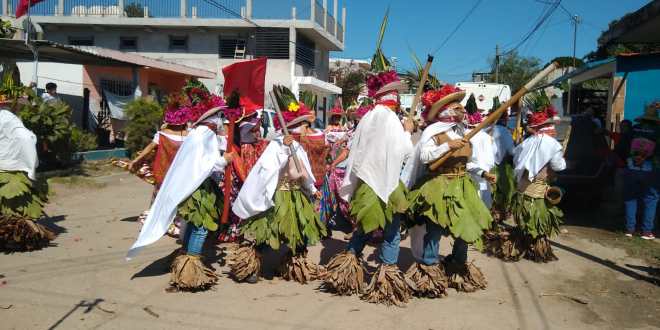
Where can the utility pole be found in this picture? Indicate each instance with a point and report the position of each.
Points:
(497, 64)
(576, 21)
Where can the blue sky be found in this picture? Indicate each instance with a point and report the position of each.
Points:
(425, 24)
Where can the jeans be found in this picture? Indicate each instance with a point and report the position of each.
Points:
(389, 249)
(431, 251)
(640, 186)
(194, 238)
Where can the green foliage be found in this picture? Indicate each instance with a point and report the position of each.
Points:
(351, 84)
(82, 141)
(496, 103)
(309, 99)
(371, 212)
(453, 203)
(21, 197)
(537, 101)
(535, 216)
(50, 122)
(414, 77)
(284, 97)
(134, 10)
(144, 118)
(290, 221)
(202, 207)
(516, 70)
(6, 30)
(379, 62)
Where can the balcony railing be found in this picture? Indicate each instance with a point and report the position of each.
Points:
(214, 9)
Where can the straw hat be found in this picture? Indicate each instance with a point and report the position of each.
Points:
(436, 100)
(651, 113)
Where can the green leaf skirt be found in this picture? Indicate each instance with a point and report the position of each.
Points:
(371, 212)
(505, 187)
(20, 196)
(454, 204)
(536, 216)
(204, 206)
(292, 221)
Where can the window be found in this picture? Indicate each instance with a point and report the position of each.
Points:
(178, 42)
(305, 51)
(81, 41)
(272, 43)
(232, 48)
(128, 43)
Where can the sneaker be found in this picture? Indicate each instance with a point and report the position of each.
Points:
(648, 236)
(629, 234)
(254, 278)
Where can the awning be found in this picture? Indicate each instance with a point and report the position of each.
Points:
(316, 85)
(590, 70)
(641, 26)
(53, 52)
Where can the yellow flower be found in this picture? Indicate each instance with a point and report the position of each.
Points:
(293, 107)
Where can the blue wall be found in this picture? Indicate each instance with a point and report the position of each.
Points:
(642, 82)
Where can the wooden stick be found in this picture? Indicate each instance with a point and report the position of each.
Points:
(420, 88)
(519, 121)
(285, 130)
(493, 117)
(567, 138)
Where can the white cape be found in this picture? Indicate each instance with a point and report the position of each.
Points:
(483, 157)
(414, 168)
(256, 194)
(196, 159)
(533, 154)
(18, 151)
(378, 150)
(503, 142)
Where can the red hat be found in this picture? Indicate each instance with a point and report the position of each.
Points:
(384, 83)
(436, 101)
(293, 111)
(542, 112)
(249, 108)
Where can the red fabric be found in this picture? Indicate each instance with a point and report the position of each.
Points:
(248, 77)
(317, 152)
(23, 5)
(165, 153)
(251, 153)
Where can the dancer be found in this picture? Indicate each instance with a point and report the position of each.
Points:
(276, 202)
(336, 136)
(503, 150)
(536, 160)
(445, 201)
(378, 149)
(22, 204)
(189, 190)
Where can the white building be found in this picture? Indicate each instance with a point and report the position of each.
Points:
(207, 35)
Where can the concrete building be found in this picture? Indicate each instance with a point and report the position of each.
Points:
(207, 35)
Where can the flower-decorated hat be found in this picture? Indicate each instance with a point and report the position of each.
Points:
(293, 111)
(436, 104)
(541, 111)
(191, 104)
(337, 109)
(473, 114)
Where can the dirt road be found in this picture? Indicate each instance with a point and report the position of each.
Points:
(84, 283)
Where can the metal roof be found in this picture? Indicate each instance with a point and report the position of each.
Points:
(90, 55)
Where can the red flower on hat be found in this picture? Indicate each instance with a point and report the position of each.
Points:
(289, 116)
(536, 118)
(433, 96)
(376, 81)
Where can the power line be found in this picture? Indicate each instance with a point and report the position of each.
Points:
(545, 14)
(469, 13)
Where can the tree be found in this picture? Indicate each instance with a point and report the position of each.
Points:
(566, 61)
(6, 30)
(515, 70)
(351, 83)
(134, 10)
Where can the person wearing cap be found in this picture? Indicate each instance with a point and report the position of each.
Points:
(276, 203)
(189, 190)
(22, 205)
(378, 149)
(641, 176)
(536, 160)
(445, 201)
(252, 145)
(314, 142)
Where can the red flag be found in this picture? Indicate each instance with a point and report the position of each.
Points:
(248, 77)
(23, 5)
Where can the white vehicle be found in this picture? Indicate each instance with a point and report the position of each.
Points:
(484, 93)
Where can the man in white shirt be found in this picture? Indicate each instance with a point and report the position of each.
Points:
(50, 95)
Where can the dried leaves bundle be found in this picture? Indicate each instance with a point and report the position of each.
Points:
(245, 262)
(298, 268)
(388, 286)
(344, 275)
(23, 234)
(429, 280)
(190, 274)
(465, 277)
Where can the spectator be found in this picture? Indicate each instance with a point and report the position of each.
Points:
(51, 93)
(640, 179)
(622, 140)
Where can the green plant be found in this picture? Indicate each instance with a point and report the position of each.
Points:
(6, 29)
(309, 99)
(82, 141)
(50, 122)
(134, 10)
(144, 119)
